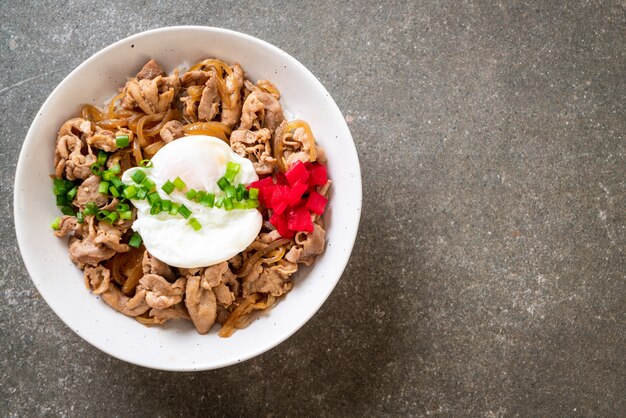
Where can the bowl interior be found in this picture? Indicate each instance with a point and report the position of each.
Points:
(177, 346)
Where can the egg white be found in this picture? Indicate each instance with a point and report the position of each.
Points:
(199, 161)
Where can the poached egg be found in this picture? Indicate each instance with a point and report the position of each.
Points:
(200, 161)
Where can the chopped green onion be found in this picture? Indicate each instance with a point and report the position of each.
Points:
(174, 209)
(240, 192)
(200, 195)
(252, 203)
(80, 218)
(228, 204)
(122, 141)
(60, 187)
(184, 210)
(122, 207)
(239, 205)
(102, 214)
(117, 182)
(146, 163)
(231, 171)
(179, 183)
(208, 200)
(195, 224)
(91, 209)
(156, 208)
(96, 169)
(115, 169)
(103, 187)
(223, 183)
(231, 192)
(108, 175)
(56, 223)
(62, 200)
(68, 210)
(135, 240)
(253, 193)
(138, 176)
(127, 214)
(149, 184)
(153, 198)
(72, 193)
(142, 193)
(114, 191)
(168, 187)
(102, 158)
(219, 202)
(191, 194)
(130, 191)
(166, 205)
(111, 217)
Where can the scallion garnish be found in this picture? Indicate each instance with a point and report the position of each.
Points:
(135, 240)
(142, 193)
(174, 209)
(231, 171)
(130, 191)
(56, 223)
(148, 184)
(195, 224)
(68, 210)
(60, 187)
(122, 207)
(156, 208)
(117, 182)
(166, 205)
(102, 158)
(223, 183)
(115, 169)
(95, 169)
(80, 218)
(138, 176)
(252, 203)
(103, 187)
(72, 193)
(179, 183)
(240, 191)
(114, 191)
(90, 209)
(146, 163)
(228, 204)
(122, 141)
(127, 214)
(168, 187)
(253, 193)
(231, 192)
(184, 210)
(102, 214)
(153, 198)
(111, 217)
(207, 200)
(239, 205)
(191, 194)
(62, 200)
(219, 202)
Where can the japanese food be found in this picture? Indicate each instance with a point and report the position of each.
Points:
(190, 196)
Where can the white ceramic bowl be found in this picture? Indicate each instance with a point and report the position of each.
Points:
(177, 346)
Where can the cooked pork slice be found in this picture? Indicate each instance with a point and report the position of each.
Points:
(88, 192)
(266, 280)
(255, 146)
(171, 130)
(109, 236)
(210, 99)
(99, 280)
(177, 311)
(161, 294)
(151, 95)
(152, 265)
(231, 111)
(218, 278)
(72, 157)
(311, 244)
(194, 78)
(261, 110)
(84, 252)
(150, 70)
(66, 226)
(201, 304)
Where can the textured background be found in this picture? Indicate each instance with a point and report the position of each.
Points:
(488, 276)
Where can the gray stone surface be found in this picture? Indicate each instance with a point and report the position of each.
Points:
(488, 276)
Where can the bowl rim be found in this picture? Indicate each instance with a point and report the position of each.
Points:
(21, 174)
